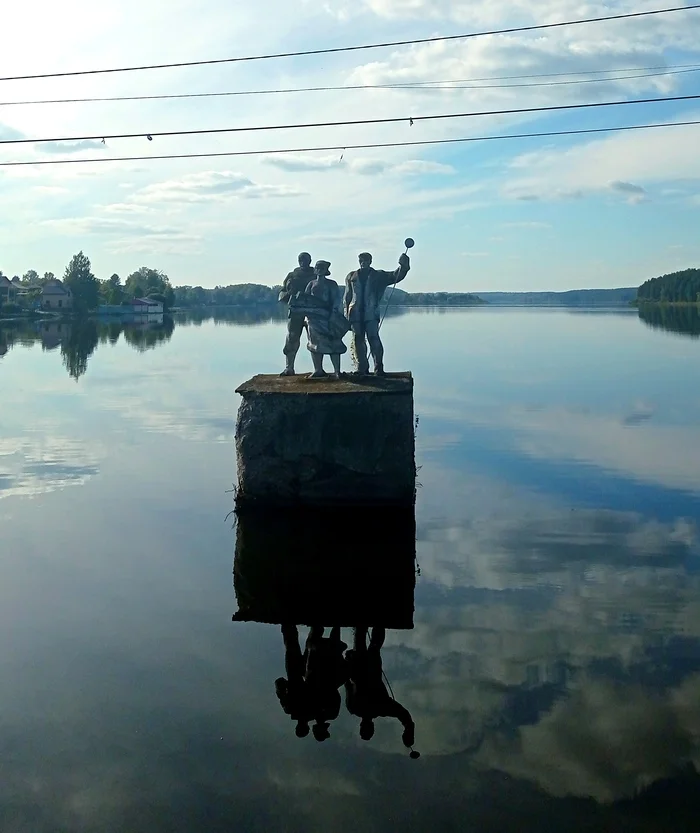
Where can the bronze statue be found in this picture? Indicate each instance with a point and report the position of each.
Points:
(295, 282)
(364, 289)
(325, 323)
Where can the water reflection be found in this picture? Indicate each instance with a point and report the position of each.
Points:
(78, 338)
(294, 567)
(683, 319)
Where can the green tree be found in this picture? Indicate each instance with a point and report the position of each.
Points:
(82, 283)
(79, 346)
(114, 290)
(48, 276)
(146, 281)
(30, 276)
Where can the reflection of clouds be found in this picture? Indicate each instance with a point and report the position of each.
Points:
(604, 741)
(664, 454)
(513, 610)
(36, 465)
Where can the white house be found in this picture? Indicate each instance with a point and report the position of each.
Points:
(56, 296)
(146, 306)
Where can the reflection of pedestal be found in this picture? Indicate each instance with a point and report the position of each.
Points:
(302, 441)
(326, 567)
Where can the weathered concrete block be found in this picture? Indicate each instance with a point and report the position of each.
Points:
(326, 441)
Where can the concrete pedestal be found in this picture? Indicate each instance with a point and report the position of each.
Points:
(303, 441)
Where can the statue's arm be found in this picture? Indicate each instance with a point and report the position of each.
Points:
(398, 274)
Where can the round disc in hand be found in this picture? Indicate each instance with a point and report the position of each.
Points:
(409, 242)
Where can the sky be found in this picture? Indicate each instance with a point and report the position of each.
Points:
(555, 213)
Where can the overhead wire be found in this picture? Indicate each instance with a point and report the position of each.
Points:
(346, 147)
(355, 48)
(410, 119)
(444, 84)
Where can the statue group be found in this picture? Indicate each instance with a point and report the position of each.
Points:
(315, 304)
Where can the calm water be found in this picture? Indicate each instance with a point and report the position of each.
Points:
(553, 670)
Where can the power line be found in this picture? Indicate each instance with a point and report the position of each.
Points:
(373, 145)
(392, 120)
(336, 49)
(445, 84)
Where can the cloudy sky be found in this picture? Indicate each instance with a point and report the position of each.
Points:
(542, 213)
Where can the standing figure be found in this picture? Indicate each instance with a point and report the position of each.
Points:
(325, 322)
(364, 289)
(296, 281)
(366, 695)
(326, 671)
(292, 691)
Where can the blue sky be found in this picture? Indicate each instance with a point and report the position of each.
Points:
(528, 214)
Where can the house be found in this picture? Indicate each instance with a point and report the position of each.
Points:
(146, 306)
(8, 291)
(56, 296)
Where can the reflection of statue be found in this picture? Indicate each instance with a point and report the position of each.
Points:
(296, 281)
(364, 289)
(310, 691)
(366, 695)
(325, 323)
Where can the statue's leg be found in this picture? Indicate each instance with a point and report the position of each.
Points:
(375, 343)
(317, 359)
(335, 360)
(295, 325)
(360, 345)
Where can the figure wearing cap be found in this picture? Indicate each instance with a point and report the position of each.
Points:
(295, 282)
(325, 323)
(364, 289)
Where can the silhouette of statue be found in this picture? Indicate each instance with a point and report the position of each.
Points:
(326, 671)
(310, 690)
(366, 695)
(292, 691)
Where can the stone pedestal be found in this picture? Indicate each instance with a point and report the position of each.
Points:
(303, 441)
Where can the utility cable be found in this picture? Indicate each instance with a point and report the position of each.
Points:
(445, 84)
(349, 123)
(374, 145)
(337, 49)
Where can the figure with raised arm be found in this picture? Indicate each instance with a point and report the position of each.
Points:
(364, 290)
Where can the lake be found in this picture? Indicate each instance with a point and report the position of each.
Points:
(553, 667)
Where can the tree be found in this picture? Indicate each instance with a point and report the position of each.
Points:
(114, 290)
(48, 276)
(82, 283)
(146, 281)
(30, 276)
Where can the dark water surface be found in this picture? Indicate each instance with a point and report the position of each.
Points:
(553, 670)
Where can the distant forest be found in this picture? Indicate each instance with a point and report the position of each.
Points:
(677, 287)
(246, 294)
(570, 298)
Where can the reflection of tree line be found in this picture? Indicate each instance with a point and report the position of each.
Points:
(675, 319)
(78, 338)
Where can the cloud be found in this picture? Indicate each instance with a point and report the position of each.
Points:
(634, 193)
(624, 163)
(365, 166)
(8, 133)
(69, 147)
(211, 186)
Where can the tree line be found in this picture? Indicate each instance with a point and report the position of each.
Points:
(89, 292)
(674, 288)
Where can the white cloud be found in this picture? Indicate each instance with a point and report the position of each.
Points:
(69, 147)
(366, 166)
(211, 186)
